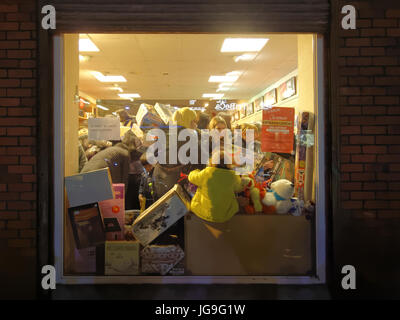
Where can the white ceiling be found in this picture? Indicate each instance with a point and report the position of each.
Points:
(189, 60)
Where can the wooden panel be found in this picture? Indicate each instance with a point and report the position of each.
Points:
(249, 245)
(191, 16)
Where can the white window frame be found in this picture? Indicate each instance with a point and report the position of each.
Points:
(320, 222)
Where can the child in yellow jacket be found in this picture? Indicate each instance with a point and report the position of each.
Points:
(215, 199)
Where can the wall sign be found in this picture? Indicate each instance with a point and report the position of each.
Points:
(104, 129)
(223, 105)
(249, 108)
(277, 133)
(287, 89)
(258, 104)
(270, 98)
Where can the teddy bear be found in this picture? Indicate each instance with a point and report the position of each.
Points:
(253, 193)
(279, 197)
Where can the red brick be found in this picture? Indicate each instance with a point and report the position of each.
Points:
(344, 158)
(8, 215)
(20, 73)
(388, 214)
(10, 83)
(17, 121)
(387, 120)
(9, 102)
(363, 23)
(385, 23)
(351, 186)
(393, 51)
(29, 178)
(361, 100)
(384, 61)
(6, 234)
(18, 35)
(19, 151)
(369, 12)
(28, 44)
(19, 243)
(8, 141)
(352, 167)
(392, 176)
(363, 176)
(27, 215)
(376, 91)
(393, 13)
(387, 100)
(377, 204)
(358, 42)
(19, 224)
(20, 187)
(383, 42)
(27, 141)
(350, 130)
(8, 8)
(352, 204)
(7, 63)
(373, 51)
(394, 167)
(359, 61)
(387, 81)
(350, 149)
(19, 92)
(374, 186)
(394, 149)
(18, 16)
(9, 196)
(8, 160)
(15, 112)
(389, 157)
(19, 131)
(373, 32)
(28, 102)
(349, 91)
(374, 130)
(361, 81)
(28, 196)
(28, 26)
(362, 195)
(394, 130)
(393, 32)
(368, 71)
(344, 196)
(9, 26)
(363, 158)
(362, 139)
(2, 225)
(349, 52)
(18, 54)
(19, 205)
(388, 195)
(19, 169)
(27, 64)
(374, 149)
(350, 110)
(374, 110)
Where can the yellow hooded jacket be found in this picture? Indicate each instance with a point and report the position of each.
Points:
(215, 199)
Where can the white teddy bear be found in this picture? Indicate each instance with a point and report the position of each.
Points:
(280, 197)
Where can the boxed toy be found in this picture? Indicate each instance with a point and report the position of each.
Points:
(161, 215)
(160, 259)
(147, 119)
(87, 225)
(85, 260)
(165, 112)
(121, 258)
(89, 187)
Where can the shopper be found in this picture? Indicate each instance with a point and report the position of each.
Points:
(215, 199)
(126, 119)
(116, 158)
(146, 189)
(217, 127)
(203, 121)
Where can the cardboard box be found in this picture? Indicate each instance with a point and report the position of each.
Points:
(87, 225)
(165, 112)
(161, 215)
(147, 119)
(119, 190)
(160, 259)
(121, 258)
(89, 187)
(85, 260)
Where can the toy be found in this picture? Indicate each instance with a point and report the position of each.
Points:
(253, 193)
(279, 196)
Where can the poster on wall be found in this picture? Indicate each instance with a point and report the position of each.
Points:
(277, 130)
(270, 98)
(258, 104)
(249, 109)
(243, 111)
(287, 89)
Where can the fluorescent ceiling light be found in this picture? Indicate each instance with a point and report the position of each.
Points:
(101, 107)
(243, 44)
(231, 78)
(129, 95)
(223, 89)
(213, 95)
(83, 58)
(245, 57)
(87, 45)
(102, 78)
(117, 88)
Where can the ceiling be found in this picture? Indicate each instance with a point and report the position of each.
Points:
(177, 66)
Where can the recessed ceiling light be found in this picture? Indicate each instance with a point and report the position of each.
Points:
(102, 78)
(129, 95)
(101, 107)
(213, 95)
(243, 44)
(231, 78)
(245, 57)
(87, 45)
(117, 89)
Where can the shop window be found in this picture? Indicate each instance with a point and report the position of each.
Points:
(122, 214)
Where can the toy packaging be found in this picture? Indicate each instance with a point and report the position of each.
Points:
(121, 258)
(85, 260)
(160, 259)
(87, 225)
(147, 119)
(89, 187)
(161, 215)
(165, 112)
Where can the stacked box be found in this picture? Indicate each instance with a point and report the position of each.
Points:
(89, 187)
(160, 259)
(165, 112)
(121, 258)
(161, 215)
(85, 260)
(147, 119)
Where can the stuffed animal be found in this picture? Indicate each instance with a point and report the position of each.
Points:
(279, 196)
(253, 193)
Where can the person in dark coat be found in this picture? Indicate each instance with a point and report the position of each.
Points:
(116, 158)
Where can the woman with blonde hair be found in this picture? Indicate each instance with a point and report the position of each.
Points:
(217, 123)
(186, 118)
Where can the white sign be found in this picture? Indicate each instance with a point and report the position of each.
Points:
(104, 129)
(222, 105)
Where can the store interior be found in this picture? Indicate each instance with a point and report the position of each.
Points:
(242, 78)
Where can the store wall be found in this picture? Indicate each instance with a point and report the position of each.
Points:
(18, 157)
(365, 115)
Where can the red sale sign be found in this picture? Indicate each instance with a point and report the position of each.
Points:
(277, 130)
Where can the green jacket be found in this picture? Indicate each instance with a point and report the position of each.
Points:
(215, 199)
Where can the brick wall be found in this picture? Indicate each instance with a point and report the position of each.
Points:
(18, 103)
(366, 226)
